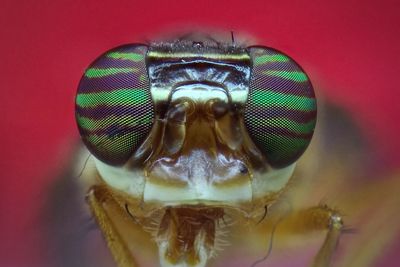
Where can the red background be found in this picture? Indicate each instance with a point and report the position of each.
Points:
(351, 50)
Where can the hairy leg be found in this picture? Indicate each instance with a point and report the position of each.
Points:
(316, 219)
(96, 198)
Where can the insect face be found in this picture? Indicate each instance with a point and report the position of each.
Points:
(195, 129)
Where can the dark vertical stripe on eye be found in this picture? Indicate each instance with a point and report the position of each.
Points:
(114, 131)
(280, 131)
(115, 97)
(116, 63)
(104, 111)
(112, 82)
(275, 66)
(294, 115)
(280, 85)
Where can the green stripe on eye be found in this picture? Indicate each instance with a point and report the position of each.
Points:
(97, 73)
(107, 144)
(271, 141)
(127, 56)
(262, 98)
(296, 127)
(143, 78)
(93, 124)
(281, 142)
(116, 97)
(270, 58)
(297, 76)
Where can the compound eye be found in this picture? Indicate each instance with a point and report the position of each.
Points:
(280, 112)
(114, 110)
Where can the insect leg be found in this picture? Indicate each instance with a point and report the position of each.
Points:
(323, 258)
(96, 197)
(312, 219)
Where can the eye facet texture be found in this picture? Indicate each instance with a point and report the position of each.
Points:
(114, 110)
(280, 112)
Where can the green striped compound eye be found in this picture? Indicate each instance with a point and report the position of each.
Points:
(280, 112)
(114, 110)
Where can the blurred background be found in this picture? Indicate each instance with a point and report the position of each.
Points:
(350, 49)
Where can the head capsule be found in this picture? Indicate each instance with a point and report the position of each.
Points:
(207, 122)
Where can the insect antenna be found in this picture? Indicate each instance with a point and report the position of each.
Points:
(86, 161)
(270, 245)
(129, 213)
(84, 166)
(264, 215)
(127, 210)
(191, 36)
(273, 230)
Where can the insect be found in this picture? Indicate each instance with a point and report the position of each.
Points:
(193, 137)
